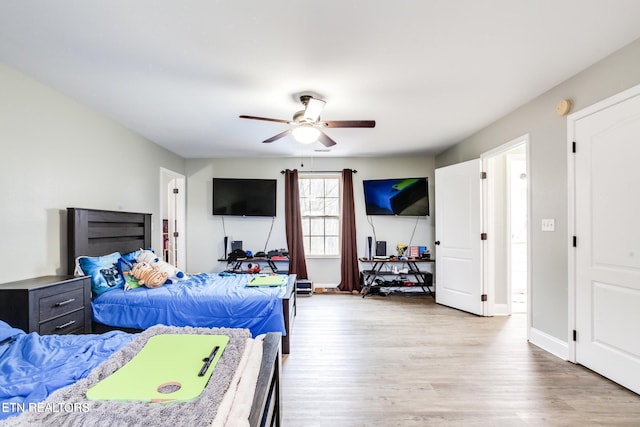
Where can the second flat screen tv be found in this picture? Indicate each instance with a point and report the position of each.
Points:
(403, 196)
(244, 197)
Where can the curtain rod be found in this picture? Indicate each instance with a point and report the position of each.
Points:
(352, 170)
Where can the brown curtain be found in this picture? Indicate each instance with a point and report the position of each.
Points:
(293, 225)
(349, 271)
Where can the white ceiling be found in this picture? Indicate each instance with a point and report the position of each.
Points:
(429, 72)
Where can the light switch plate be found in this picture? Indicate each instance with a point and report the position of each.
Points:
(549, 224)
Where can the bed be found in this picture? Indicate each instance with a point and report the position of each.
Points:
(45, 380)
(95, 233)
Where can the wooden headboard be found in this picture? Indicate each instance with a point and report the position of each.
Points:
(94, 232)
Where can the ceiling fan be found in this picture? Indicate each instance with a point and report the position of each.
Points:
(307, 124)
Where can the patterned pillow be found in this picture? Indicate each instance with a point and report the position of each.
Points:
(103, 271)
(124, 268)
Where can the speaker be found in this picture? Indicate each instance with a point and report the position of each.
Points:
(236, 244)
(226, 246)
(369, 244)
(381, 248)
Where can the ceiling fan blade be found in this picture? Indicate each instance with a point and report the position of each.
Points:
(265, 119)
(350, 124)
(325, 140)
(313, 109)
(278, 136)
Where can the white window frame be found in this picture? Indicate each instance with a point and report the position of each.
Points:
(337, 176)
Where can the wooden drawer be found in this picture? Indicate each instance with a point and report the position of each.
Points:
(69, 323)
(59, 304)
(48, 304)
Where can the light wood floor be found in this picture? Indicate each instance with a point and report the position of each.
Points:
(406, 361)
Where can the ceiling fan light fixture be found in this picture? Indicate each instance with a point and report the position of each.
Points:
(313, 109)
(306, 123)
(305, 134)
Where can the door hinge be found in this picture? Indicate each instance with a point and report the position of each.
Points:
(483, 236)
(483, 175)
(575, 242)
(573, 147)
(575, 335)
(483, 297)
(175, 191)
(176, 234)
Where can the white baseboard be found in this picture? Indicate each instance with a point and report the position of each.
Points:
(501, 309)
(325, 285)
(548, 343)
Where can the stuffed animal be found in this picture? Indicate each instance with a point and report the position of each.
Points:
(147, 256)
(148, 275)
(173, 274)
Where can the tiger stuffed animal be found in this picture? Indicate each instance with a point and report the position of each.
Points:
(147, 275)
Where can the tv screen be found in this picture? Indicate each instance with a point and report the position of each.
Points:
(404, 196)
(244, 197)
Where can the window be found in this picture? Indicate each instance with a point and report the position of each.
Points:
(320, 211)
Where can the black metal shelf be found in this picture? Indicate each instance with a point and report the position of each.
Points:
(423, 279)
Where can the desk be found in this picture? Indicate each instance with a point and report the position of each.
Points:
(424, 279)
(236, 265)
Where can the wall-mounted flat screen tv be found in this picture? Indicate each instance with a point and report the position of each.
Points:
(402, 196)
(244, 197)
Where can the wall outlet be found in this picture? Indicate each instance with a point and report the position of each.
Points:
(549, 224)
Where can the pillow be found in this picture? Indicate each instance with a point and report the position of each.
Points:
(103, 271)
(124, 268)
(130, 257)
(7, 332)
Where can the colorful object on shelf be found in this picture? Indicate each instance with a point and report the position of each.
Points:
(401, 249)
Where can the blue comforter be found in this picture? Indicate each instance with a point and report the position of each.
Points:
(204, 300)
(34, 366)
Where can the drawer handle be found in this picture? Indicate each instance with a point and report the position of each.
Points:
(69, 301)
(65, 325)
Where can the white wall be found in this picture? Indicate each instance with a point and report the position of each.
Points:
(548, 174)
(56, 153)
(205, 231)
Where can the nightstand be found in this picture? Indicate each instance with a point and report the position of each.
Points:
(48, 304)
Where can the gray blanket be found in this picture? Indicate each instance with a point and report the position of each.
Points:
(69, 407)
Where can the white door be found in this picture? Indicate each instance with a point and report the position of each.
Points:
(458, 222)
(607, 253)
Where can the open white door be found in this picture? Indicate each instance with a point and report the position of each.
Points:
(458, 222)
(607, 239)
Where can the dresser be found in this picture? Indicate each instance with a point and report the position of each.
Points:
(48, 304)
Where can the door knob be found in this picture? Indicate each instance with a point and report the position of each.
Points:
(437, 242)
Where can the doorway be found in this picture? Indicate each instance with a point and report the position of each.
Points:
(506, 213)
(172, 199)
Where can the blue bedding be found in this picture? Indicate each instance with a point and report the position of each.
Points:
(34, 366)
(203, 300)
